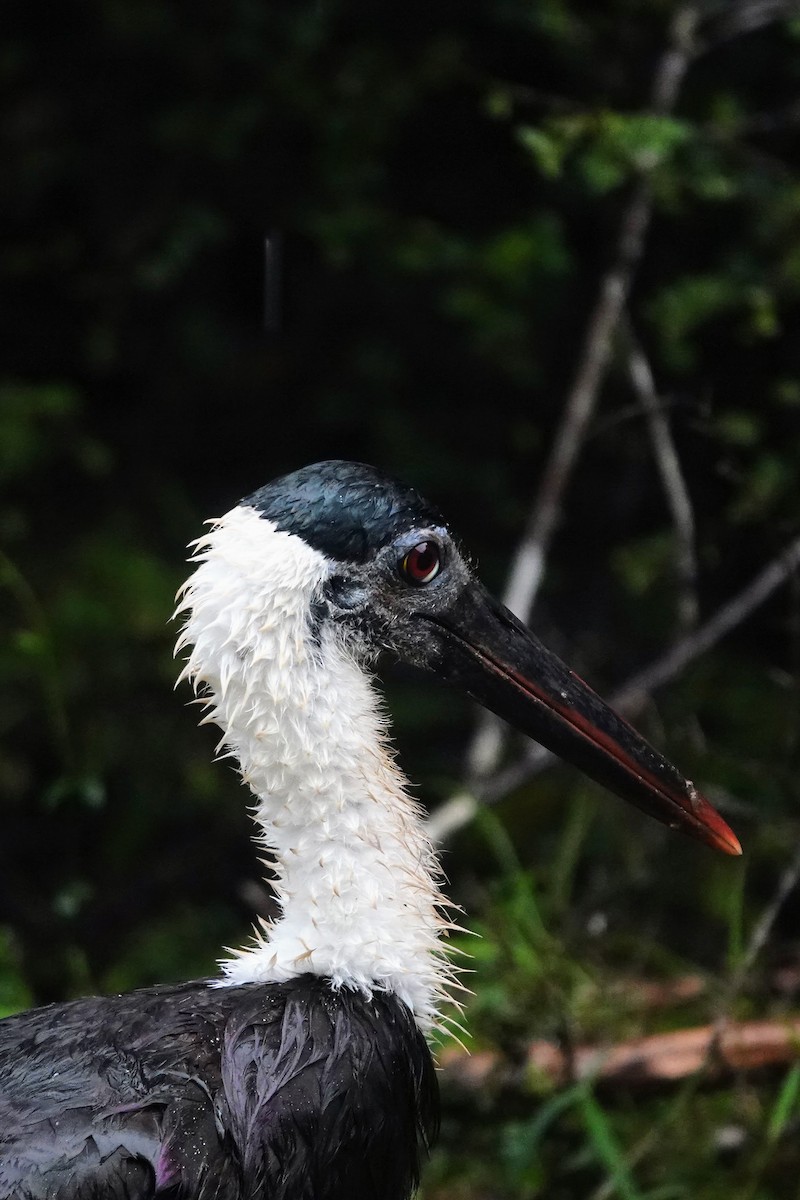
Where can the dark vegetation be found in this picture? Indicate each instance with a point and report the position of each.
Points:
(451, 182)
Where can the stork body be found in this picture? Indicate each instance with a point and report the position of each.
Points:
(303, 1073)
(282, 1091)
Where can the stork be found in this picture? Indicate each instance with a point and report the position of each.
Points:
(303, 1071)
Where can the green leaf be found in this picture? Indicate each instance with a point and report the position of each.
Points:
(606, 1146)
(738, 428)
(643, 140)
(784, 1105)
(548, 151)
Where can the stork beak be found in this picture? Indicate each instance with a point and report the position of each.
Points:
(495, 658)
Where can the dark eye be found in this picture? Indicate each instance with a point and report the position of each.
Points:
(422, 564)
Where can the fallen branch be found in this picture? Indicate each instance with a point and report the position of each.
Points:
(661, 1058)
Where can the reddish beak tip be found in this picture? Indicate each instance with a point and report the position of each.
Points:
(728, 843)
(713, 829)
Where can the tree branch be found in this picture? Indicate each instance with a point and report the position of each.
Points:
(760, 932)
(748, 16)
(527, 567)
(675, 489)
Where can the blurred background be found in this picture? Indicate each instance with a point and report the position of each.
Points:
(506, 228)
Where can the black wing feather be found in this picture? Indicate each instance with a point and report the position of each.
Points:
(259, 1092)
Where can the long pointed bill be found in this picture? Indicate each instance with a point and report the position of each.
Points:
(491, 655)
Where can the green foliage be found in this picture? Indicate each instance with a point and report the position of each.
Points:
(540, 957)
(13, 993)
(450, 182)
(607, 149)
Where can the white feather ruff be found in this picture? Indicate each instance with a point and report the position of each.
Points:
(356, 876)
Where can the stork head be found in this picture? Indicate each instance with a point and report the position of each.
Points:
(392, 578)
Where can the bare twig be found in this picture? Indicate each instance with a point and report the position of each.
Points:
(759, 935)
(675, 489)
(456, 812)
(773, 121)
(527, 567)
(712, 631)
(633, 694)
(528, 563)
(747, 16)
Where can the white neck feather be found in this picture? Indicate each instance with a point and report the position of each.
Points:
(356, 878)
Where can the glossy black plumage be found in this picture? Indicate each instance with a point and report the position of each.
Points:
(345, 510)
(276, 1091)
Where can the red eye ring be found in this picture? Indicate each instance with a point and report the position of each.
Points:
(422, 563)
